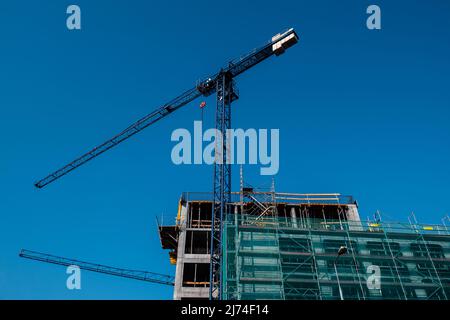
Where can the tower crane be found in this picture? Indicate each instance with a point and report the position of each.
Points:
(124, 273)
(223, 85)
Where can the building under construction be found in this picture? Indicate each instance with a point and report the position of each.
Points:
(290, 246)
(268, 245)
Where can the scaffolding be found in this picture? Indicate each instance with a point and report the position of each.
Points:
(284, 246)
(276, 257)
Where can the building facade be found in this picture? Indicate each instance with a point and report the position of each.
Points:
(285, 246)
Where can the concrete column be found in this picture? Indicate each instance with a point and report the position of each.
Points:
(294, 218)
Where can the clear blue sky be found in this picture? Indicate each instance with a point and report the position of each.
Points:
(360, 112)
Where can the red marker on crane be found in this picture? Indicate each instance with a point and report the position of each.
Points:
(202, 105)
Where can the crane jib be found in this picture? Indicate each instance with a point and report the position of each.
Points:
(125, 273)
(278, 44)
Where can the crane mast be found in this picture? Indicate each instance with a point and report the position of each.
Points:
(124, 273)
(222, 83)
(222, 180)
(225, 95)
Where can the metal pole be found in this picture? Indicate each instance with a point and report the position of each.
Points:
(339, 284)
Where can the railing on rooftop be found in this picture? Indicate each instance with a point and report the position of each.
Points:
(338, 225)
(281, 197)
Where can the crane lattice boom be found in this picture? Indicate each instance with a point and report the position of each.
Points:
(206, 87)
(124, 273)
